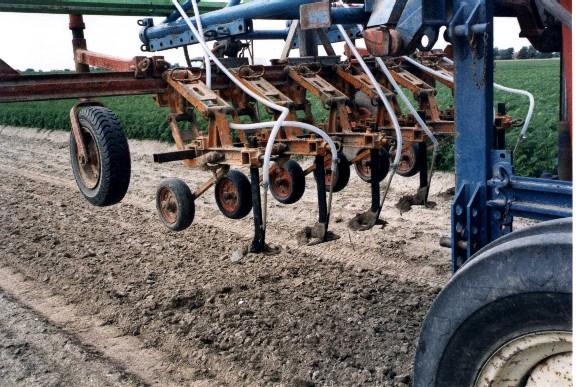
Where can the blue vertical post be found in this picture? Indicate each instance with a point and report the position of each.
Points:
(471, 32)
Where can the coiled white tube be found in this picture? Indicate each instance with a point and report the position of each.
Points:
(295, 124)
(532, 103)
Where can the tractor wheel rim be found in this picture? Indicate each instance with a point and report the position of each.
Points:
(282, 183)
(168, 206)
(228, 195)
(542, 359)
(89, 170)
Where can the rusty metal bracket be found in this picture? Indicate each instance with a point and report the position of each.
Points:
(76, 130)
(141, 66)
(315, 16)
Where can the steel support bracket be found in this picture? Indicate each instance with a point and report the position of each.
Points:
(83, 156)
(468, 29)
(213, 32)
(466, 224)
(540, 199)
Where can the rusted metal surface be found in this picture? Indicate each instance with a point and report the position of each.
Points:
(168, 205)
(141, 66)
(314, 16)
(66, 86)
(77, 26)
(85, 146)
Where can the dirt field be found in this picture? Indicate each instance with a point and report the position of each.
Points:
(153, 307)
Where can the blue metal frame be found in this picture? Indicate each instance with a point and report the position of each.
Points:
(489, 195)
(236, 20)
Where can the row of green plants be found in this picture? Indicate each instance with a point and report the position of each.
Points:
(142, 119)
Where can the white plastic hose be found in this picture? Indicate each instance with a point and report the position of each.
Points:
(528, 118)
(417, 117)
(376, 85)
(277, 125)
(305, 126)
(408, 103)
(283, 111)
(295, 124)
(510, 90)
(207, 64)
(378, 88)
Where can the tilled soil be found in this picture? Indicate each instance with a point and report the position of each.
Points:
(33, 352)
(345, 312)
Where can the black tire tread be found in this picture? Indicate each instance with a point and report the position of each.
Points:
(416, 168)
(343, 174)
(298, 181)
(114, 155)
(245, 190)
(185, 199)
(384, 165)
(511, 273)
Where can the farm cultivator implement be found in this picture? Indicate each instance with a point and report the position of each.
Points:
(382, 119)
(359, 127)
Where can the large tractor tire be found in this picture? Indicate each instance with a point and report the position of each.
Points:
(104, 178)
(505, 319)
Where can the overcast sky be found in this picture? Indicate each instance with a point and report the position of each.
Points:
(43, 42)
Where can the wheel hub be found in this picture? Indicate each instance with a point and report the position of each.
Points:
(281, 182)
(89, 168)
(363, 167)
(542, 359)
(228, 195)
(168, 206)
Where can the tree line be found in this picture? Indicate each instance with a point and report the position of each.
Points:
(526, 52)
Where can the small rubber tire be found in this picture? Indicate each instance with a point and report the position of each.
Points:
(411, 168)
(295, 185)
(108, 148)
(384, 166)
(516, 288)
(237, 184)
(342, 174)
(175, 204)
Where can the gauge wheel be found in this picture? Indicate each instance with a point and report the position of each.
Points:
(363, 169)
(103, 178)
(234, 195)
(341, 176)
(175, 204)
(287, 183)
(409, 164)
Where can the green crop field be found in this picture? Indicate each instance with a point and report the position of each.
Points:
(142, 119)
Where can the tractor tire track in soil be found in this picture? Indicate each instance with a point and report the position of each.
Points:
(342, 313)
